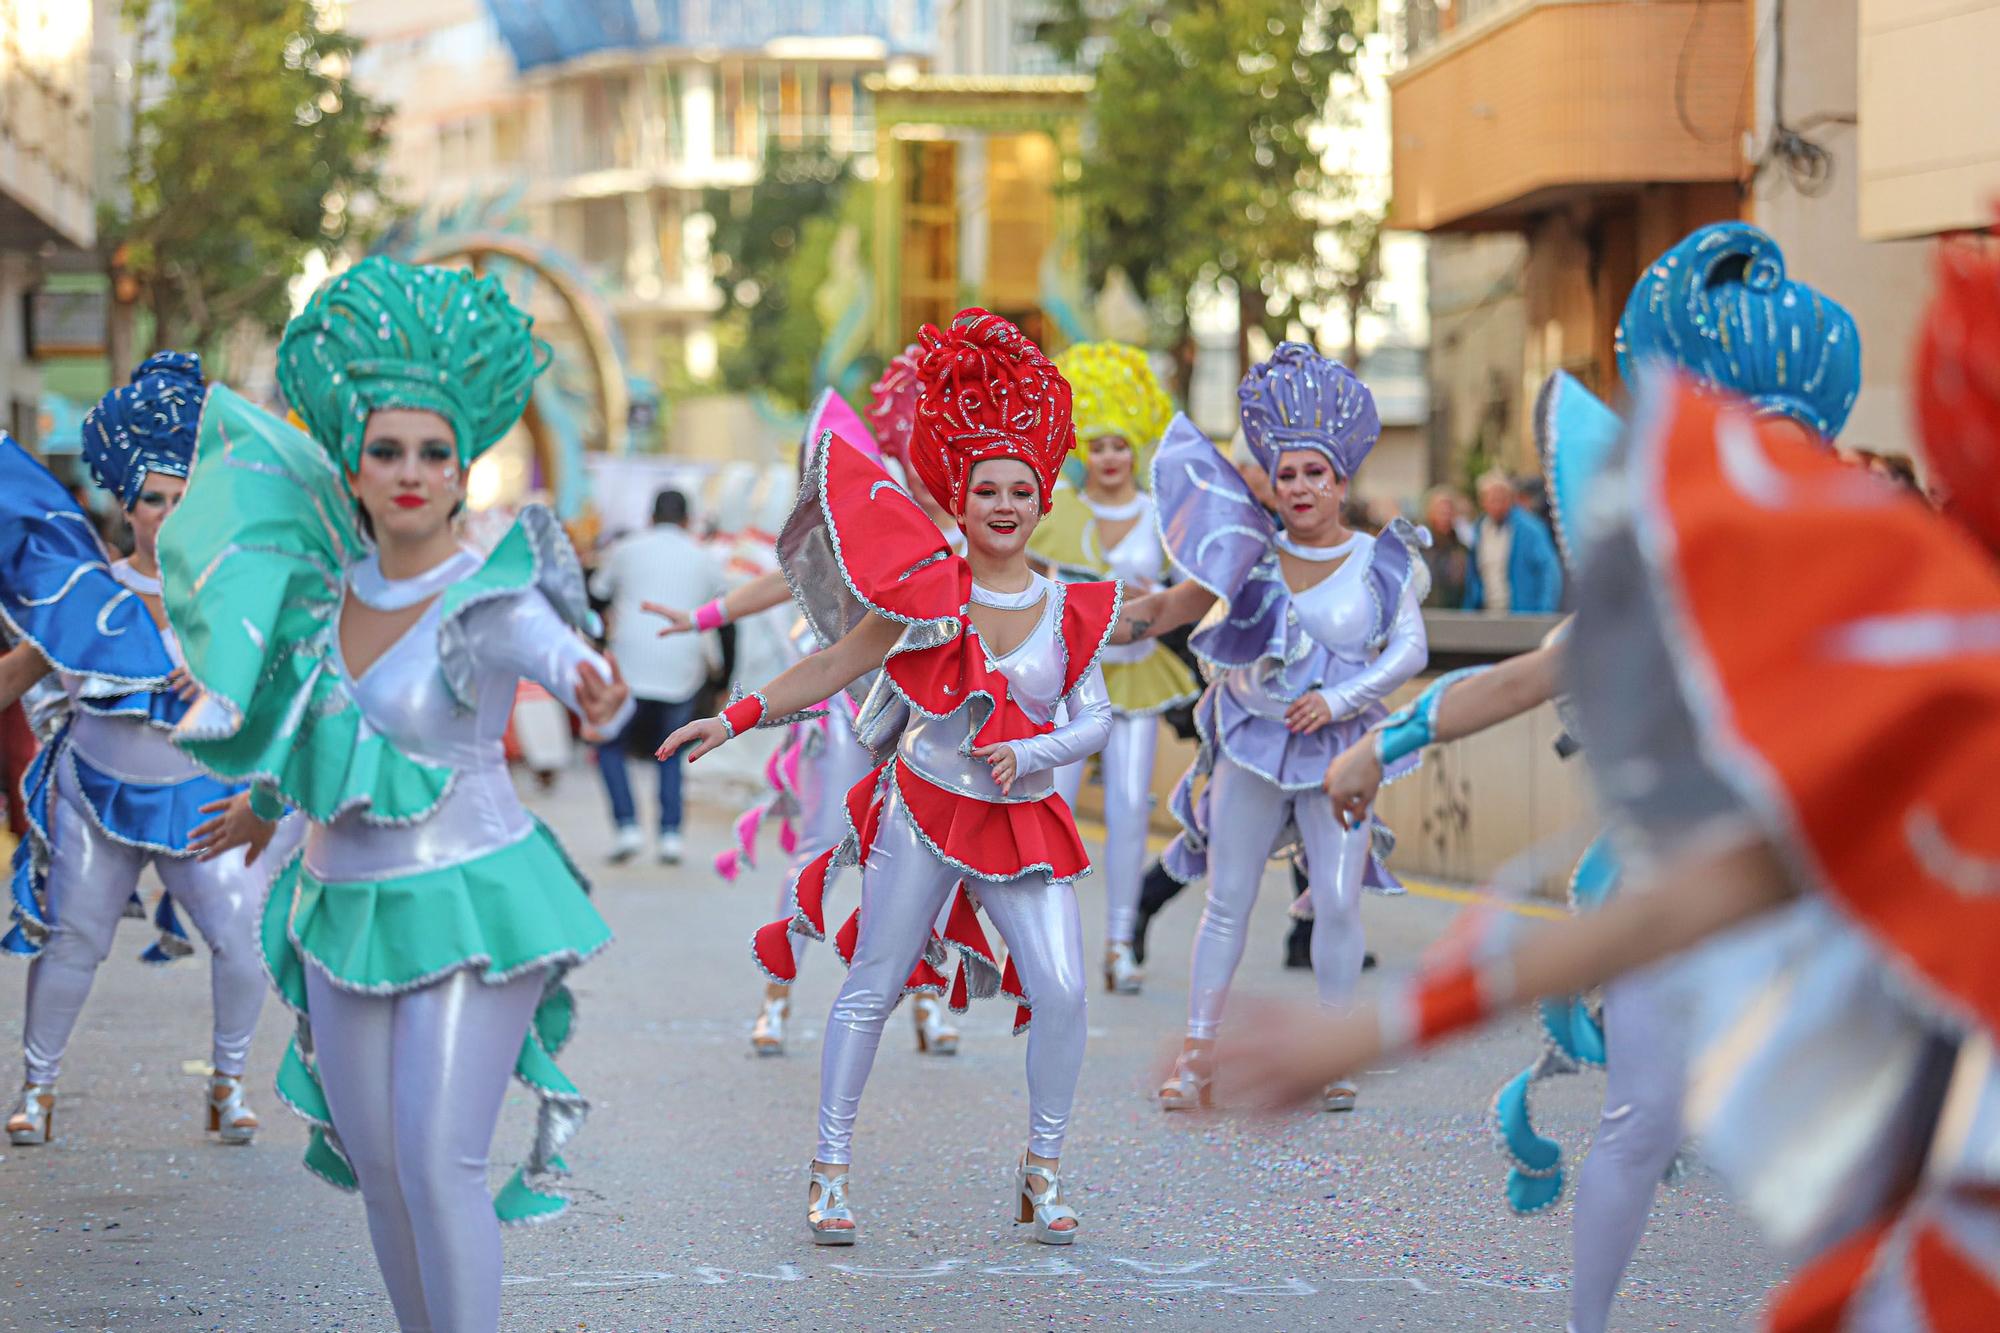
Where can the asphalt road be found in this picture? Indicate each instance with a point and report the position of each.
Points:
(689, 1181)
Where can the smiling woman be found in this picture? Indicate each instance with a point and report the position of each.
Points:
(989, 682)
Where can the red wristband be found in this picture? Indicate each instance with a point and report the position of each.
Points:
(1450, 1001)
(744, 714)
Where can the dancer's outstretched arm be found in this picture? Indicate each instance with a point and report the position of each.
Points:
(1283, 1056)
(1456, 704)
(819, 676)
(745, 599)
(1155, 613)
(20, 668)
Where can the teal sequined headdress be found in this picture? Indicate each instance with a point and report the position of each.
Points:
(390, 334)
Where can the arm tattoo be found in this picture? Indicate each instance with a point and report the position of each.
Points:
(1136, 630)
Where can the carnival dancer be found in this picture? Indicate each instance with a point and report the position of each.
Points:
(1719, 306)
(1107, 530)
(977, 655)
(1323, 625)
(1833, 880)
(820, 759)
(360, 663)
(109, 795)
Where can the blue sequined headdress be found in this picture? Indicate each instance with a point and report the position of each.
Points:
(1302, 400)
(145, 426)
(1719, 305)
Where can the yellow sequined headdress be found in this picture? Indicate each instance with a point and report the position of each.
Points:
(1115, 392)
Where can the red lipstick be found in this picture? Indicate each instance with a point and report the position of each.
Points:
(408, 501)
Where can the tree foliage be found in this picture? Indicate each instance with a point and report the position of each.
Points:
(1205, 165)
(771, 251)
(255, 152)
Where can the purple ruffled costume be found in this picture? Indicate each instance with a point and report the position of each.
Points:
(1257, 652)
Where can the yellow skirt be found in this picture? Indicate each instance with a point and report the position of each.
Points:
(1156, 682)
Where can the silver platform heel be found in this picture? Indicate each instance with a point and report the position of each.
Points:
(768, 1036)
(1339, 1095)
(229, 1115)
(1122, 973)
(33, 1119)
(830, 1220)
(1044, 1207)
(935, 1034)
(1191, 1085)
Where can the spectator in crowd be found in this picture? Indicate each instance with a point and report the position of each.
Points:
(1532, 495)
(1447, 557)
(662, 564)
(1514, 567)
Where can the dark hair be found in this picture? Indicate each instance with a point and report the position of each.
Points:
(670, 507)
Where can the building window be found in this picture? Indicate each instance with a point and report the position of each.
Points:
(668, 90)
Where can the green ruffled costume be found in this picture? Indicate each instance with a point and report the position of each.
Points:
(253, 565)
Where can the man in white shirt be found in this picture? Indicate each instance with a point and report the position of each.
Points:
(663, 564)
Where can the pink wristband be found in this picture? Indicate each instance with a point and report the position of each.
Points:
(710, 615)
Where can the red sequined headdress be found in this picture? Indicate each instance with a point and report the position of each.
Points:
(986, 392)
(892, 405)
(1958, 387)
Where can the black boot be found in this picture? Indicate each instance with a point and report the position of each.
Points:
(1299, 944)
(1156, 890)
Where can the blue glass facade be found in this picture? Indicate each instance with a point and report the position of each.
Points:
(550, 32)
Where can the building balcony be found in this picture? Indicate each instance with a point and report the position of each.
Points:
(1519, 106)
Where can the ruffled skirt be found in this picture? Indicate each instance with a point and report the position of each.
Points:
(517, 909)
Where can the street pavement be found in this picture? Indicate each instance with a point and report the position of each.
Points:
(689, 1179)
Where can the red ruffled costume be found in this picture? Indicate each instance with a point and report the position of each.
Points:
(986, 392)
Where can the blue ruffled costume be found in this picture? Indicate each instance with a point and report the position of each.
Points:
(58, 593)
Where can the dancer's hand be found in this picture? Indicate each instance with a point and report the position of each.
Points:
(1352, 781)
(1308, 713)
(233, 826)
(183, 685)
(678, 622)
(704, 733)
(599, 699)
(1277, 1056)
(1001, 759)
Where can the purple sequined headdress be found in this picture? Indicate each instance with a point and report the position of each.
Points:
(1302, 400)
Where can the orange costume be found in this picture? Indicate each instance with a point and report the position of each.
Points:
(1830, 652)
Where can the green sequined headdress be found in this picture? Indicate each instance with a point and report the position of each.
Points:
(389, 334)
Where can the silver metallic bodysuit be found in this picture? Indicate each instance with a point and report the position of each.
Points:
(905, 883)
(415, 1079)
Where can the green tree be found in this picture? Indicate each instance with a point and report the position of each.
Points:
(771, 247)
(256, 152)
(1205, 166)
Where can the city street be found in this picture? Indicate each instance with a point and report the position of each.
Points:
(689, 1181)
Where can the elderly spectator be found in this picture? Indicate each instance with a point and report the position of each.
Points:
(1514, 566)
(1447, 558)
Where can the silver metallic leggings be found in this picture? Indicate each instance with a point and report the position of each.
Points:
(1246, 816)
(1639, 1133)
(414, 1082)
(91, 876)
(903, 887)
(1128, 803)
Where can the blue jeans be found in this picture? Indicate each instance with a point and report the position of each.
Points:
(653, 720)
